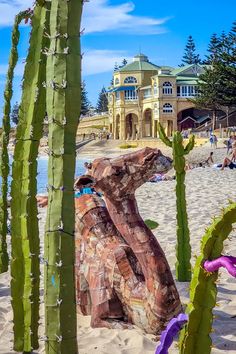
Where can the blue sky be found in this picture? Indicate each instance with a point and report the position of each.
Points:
(117, 29)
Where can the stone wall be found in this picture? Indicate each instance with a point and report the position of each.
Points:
(93, 124)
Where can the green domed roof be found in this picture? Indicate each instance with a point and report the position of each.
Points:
(140, 63)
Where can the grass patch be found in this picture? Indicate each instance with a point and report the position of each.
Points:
(128, 146)
(152, 225)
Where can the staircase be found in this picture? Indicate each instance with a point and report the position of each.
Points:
(222, 121)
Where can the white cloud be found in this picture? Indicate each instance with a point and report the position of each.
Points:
(98, 16)
(101, 61)
(94, 62)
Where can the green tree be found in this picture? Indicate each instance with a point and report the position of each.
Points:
(226, 69)
(208, 87)
(190, 56)
(213, 49)
(116, 67)
(85, 104)
(15, 113)
(102, 104)
(124, 63)
(217, 85)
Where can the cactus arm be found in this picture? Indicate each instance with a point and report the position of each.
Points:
(162, 135)
(195, 337)
(63, 108)
(24, 223)
(183, 248)
(190, 145)
(4, 158)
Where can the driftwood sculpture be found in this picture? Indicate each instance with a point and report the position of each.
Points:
(122, 271)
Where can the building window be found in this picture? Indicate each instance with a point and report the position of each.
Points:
(167, 108)
(187, 91)
(117, 81)
(131, 95)
(155, 89)
(167, 88)
(110, 98)
(147, 93)
(118, 95)
(130, 80)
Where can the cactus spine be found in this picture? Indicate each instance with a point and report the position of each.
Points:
(4, 259)
(63, 108)
(183, 248)
(24, 226)
(195, 337)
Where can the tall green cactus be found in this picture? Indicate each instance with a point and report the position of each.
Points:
(24, 226)
(183, 248)
(63, 108)
(195, 337)
(4, 159)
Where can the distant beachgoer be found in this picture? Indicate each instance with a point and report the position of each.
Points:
(211, 140)
(215, 140)
(209, 160)
(87, 166)
(229, 143)
(230, 162)
(227, 163)
(234, 151)
(158, 177)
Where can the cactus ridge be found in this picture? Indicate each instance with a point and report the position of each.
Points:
(24, 224)
(183, 248)
(63, 84)
(4, 158)
(195, 337)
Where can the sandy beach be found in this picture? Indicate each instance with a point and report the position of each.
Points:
(208, 191)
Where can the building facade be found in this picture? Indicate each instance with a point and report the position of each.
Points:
(144, 93)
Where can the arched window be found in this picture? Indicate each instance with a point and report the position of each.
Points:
(155, 89)
(167, 108)
(117, 81)
(130, 80)
(167, 88)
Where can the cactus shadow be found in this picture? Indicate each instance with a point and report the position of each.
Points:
(223, 290)
(226, 345)
(224, 325)
(4, 291)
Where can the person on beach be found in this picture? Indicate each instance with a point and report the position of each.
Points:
(227, 163)
(230, 162)
(87, 166)
(158, 177)
(229, 143)
(213, 141)
(209, 160)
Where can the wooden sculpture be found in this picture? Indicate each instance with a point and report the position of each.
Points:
(122, 272)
